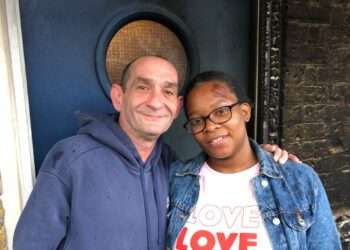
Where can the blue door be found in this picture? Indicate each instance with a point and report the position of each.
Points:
(60, 40)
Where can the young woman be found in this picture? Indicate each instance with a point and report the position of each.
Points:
(234, 195)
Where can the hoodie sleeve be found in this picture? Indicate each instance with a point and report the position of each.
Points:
(43, 222)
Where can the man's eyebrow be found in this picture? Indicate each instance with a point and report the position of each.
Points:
(171, 84)
(143, 79)
(146, 80)
(149, 80)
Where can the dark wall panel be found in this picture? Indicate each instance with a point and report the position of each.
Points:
(60, 38)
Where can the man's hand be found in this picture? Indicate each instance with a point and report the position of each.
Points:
(280, 155)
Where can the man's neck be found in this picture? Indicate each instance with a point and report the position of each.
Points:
(144, 147)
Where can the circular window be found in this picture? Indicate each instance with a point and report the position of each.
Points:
(139, 30)
(140, 38)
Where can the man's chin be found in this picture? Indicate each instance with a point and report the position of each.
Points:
(155, 131)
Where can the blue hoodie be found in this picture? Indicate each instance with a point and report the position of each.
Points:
(93, 191)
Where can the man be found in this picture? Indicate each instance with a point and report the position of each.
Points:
(106, 188)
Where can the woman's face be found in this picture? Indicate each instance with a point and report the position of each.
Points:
(220, 141)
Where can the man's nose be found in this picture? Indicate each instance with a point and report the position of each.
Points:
(155, 99)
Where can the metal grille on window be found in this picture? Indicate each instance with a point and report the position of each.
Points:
(144, 37)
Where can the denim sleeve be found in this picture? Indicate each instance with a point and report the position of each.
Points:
(42, 224)
(323, 234)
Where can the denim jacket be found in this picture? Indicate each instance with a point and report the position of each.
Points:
(291, 199)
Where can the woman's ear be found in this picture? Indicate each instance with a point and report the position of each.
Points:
(116, 96)
(246, 111)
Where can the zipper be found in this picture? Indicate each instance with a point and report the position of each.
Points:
(142, 176)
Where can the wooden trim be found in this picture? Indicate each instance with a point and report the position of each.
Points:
(269, 84)
(16, 157)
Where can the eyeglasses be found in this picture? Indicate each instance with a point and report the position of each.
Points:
(218, 116)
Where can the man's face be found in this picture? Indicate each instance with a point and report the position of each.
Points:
(150, 101)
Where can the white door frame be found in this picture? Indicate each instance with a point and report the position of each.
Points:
(16, 148)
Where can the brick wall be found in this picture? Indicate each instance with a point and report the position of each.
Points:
(316, 111)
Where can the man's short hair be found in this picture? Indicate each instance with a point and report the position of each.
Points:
(126, 71)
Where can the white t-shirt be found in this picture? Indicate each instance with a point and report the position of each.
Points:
(226, 215)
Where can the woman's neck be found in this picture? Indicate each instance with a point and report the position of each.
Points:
(242, 159)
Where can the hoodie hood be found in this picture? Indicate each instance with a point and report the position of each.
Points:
(95, 184)
(105, 129)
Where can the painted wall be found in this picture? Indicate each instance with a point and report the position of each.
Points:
(60, 38)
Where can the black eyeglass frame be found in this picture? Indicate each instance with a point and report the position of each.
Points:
(187, 125)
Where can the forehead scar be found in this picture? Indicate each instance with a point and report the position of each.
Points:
(221, 90)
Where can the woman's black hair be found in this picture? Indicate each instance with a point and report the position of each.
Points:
(220, 76)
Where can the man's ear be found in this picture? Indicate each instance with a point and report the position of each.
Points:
(179, 105)
(246, 111)
(116, 96)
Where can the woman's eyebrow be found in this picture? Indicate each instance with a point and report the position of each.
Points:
(218, 104)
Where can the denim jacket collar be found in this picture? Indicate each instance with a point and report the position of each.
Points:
(193, 166)
(291, 200)
(268, 166)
